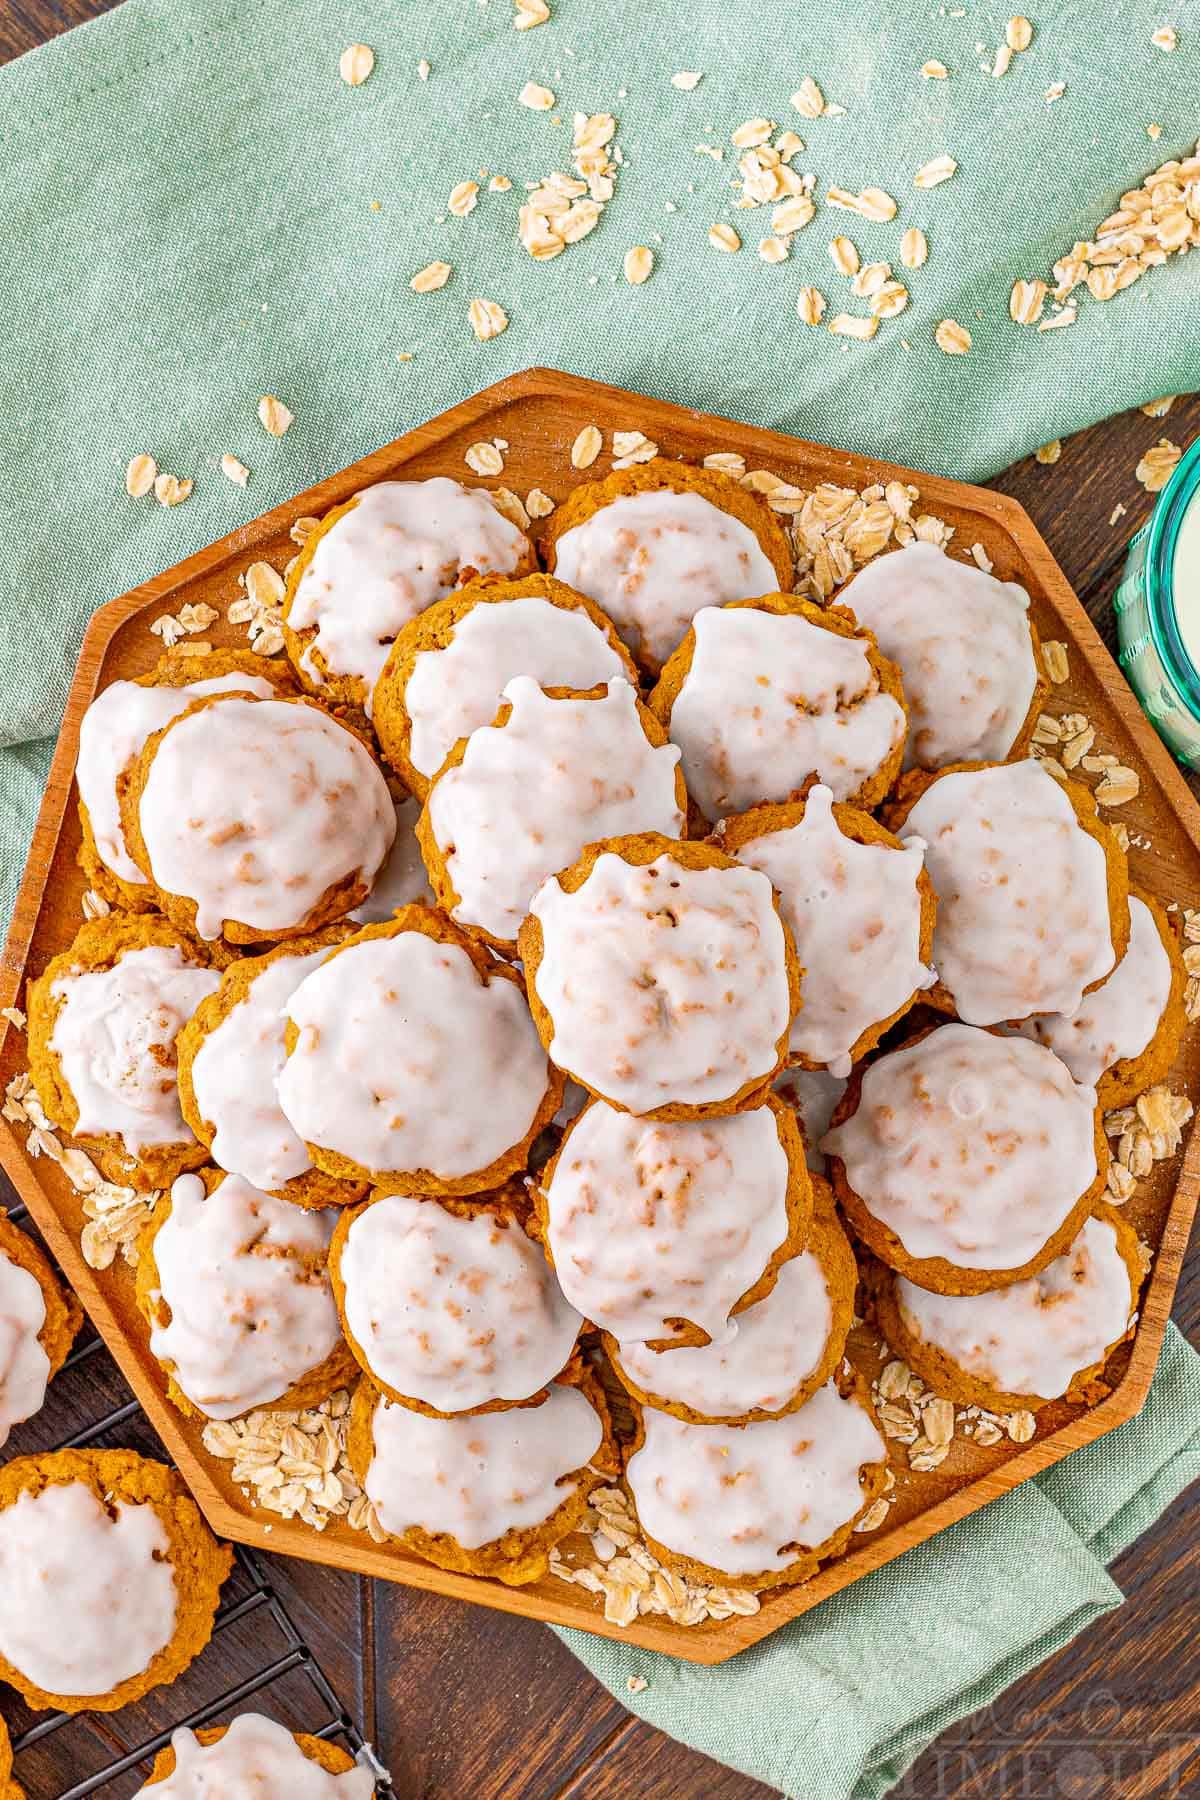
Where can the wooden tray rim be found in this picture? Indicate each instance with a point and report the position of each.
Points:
(713, 1643)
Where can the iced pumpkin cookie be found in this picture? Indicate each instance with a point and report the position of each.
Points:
(103, 1020)
(489, 1493)
(379, 560)
(861, 910)
(660, 1231)
(763, 695)
(450, 1306)
(402, 880)
(231, 1052)
(115, 729)
(287, 820)
(967, 1160)
(518, 799)
(234, 1285)
(654, 543)
(1032, 888)
(662, 976)
(759, 1505)
(784, 1347)
(109, 1574)
(255, 1758)
(1028, 1344)
(1126, 1034)
(967, 651)
(38, 1322)
(413, 1063)
(446, 673)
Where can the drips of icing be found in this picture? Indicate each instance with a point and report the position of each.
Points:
(650, 1222)
(234, 1074)
(89, 1592)
(963, 643)
(402, 879)
(115, 729)
(249, 1314)
(741, 1498)
(24, 1365)
(1117, 1020)
(406, 1060)
(664, 984)
(969, 1146)
(651, 560)
(480, 1476)
(282, 804)
(855, 913)
(1023, 921)
(770, 699)
(403, 546)
(257, 1759)
(779, 1343)
(529, 794)
(114, 1035)
(450, 1310)
(812, 1095)
(1034, 1337)
(453, 690)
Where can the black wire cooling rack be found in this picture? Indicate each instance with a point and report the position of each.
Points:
(277, 1671)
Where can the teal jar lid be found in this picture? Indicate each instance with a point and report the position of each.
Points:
(1152, 652)
(1161, 542)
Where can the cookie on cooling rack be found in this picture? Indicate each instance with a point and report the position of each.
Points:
(110, 1578)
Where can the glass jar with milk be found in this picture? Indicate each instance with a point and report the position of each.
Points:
(1158, 613)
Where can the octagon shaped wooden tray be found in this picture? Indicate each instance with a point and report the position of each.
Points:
(538, 415)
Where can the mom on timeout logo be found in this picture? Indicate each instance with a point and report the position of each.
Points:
(1094, 1751)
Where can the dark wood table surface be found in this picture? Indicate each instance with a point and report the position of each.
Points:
(466, 1702)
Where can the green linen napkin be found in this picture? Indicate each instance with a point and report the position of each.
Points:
(840, 1702)
(198, 211)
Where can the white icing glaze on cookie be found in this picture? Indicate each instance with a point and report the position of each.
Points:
(480, 1476)
(403, 546)
(249, 1313)
(855, 913)
(257, 1759)
(651, 560)
(24, 1365)
(1023, 921)
(89, 1593)
(529, 794)
(407, 1061)
(234, 1074)
(114, 730)
(969, 1146)
(664, 984)
(650, 1222)
(812, 1095)
(779, 1343)
(282, 803)
(450, 1310)
(770, 699)
(114, 1035)
(402, 879)
(1117, 1020)
(963, 643)
(453, 691)
(741, 1498)
(1032, 1338)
